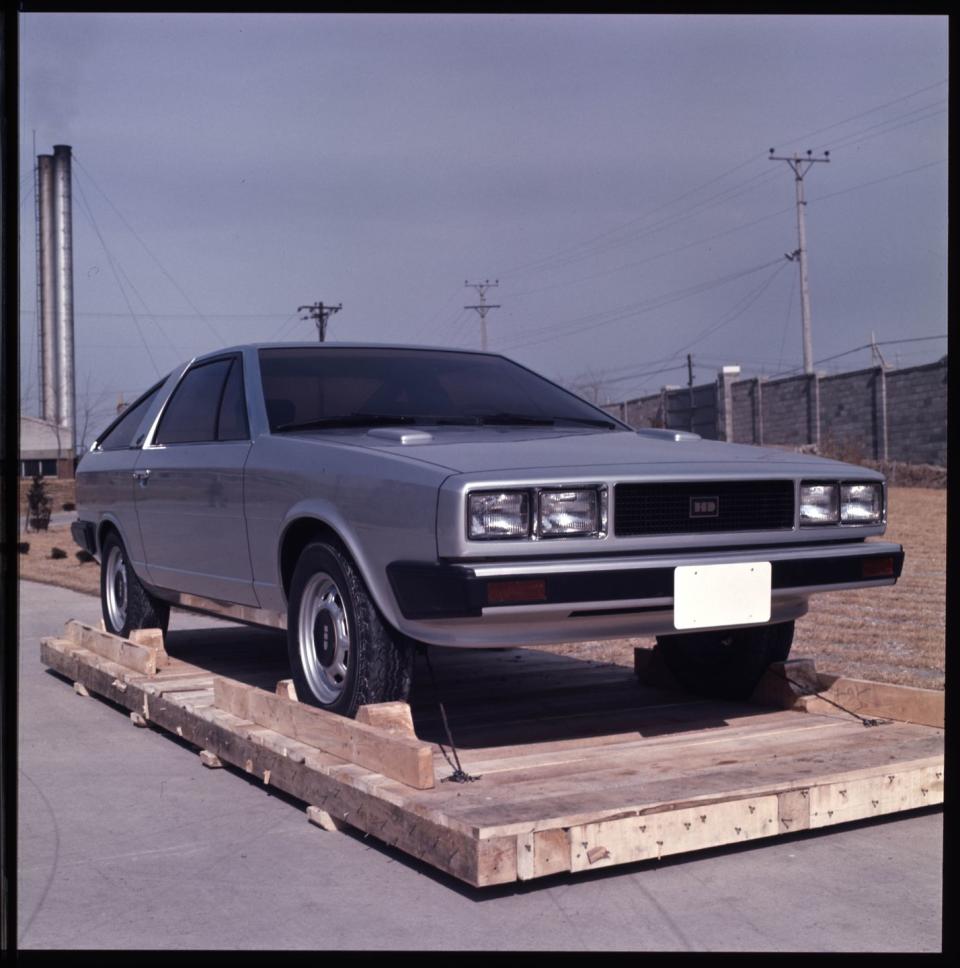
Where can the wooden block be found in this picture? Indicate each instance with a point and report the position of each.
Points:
(80, 689)
(784, 682)
(879, 700)
(287, 689)
(399, 757)
(142, 658)
(391, 716)
(153, 639)
(137, 719)
(322, 819)
(551, 852)
(210, 760)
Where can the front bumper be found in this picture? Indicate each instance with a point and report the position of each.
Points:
(582, 587)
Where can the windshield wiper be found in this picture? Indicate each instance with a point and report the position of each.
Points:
(347, 420)
(520, 419)
(529, 420)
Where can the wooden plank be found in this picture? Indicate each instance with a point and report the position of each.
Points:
(142, 658)
(655, 835)
(210, 760)
(398, 756)
(878, 699)
(784, 682)
(889, 792)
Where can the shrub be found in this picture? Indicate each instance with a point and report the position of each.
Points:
(83, 556)
(57, 553)
(39, 504)
(23, 547)
(69, 506)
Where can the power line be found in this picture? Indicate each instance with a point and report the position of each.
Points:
(116, 276)
(149, 252)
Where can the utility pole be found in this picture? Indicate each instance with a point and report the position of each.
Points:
(320, 314)
(875, 351)
(800, 166)
(484, 307)
(690, 386)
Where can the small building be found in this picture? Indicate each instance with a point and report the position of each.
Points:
(45, 448)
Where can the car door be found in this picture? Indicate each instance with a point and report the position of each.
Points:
(189, 487)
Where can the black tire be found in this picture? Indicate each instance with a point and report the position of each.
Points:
(725, 664)
(124, 602)
(346, 656)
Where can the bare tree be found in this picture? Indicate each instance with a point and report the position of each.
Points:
(95, 409)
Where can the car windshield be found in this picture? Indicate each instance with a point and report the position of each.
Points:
(325, 387)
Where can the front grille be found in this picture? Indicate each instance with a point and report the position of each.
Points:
(641, 509)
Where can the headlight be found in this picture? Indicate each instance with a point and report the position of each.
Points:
(500, 514)
(819, 504)
(569, 512)
(861, 503)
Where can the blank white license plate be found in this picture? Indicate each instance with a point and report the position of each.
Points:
(711, 596)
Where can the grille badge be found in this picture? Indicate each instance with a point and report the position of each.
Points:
(705, 507)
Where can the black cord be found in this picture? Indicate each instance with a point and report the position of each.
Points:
(863, 719)
(459, 775)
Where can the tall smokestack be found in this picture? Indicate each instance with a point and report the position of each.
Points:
(63, 257)
(48, 292)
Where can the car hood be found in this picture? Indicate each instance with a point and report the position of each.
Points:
(538, 449)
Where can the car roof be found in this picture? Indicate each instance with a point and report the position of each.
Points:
(304, 344)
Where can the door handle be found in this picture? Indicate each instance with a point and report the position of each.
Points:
(141, 476)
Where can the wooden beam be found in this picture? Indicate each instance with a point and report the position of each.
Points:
(882, 700)
(142, 658)
(399, 757)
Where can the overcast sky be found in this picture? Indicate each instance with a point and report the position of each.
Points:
(610, 171)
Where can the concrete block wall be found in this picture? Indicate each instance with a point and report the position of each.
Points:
(851, 414)
(852, 421)
(917, 411)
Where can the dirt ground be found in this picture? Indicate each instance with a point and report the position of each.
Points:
(894, 634)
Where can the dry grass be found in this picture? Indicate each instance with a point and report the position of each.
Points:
(886, 634)
(37, 565)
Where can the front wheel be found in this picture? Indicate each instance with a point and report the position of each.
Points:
(343, 655)
(725, 664)
(126, 605)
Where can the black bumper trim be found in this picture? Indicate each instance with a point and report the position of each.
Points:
(437, 591)
(85, 534)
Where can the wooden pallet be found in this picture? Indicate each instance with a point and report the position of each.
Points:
(579, 766)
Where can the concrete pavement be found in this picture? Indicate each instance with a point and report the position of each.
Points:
(126, 841)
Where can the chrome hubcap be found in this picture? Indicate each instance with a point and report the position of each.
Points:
(324, 637)
(116, 588)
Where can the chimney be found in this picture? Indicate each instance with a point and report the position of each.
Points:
(48, 292)
(63, 262)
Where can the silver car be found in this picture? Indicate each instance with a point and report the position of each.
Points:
(370, 498)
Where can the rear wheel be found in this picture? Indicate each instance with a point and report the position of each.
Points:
(725, 664)
(343, 655)
(124, 602)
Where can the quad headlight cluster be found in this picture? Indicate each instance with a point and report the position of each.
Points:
(542, 512)
(840, 503)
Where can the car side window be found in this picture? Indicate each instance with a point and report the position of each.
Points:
(191, 414)
(233, 407)
(120, 435)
